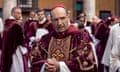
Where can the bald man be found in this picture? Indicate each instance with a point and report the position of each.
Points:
(66, 49)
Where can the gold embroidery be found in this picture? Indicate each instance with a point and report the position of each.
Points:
(73, 49)
(90, 57)
(80, 52)
(58, 55)
(85, 63)
(83, 42)
(59, 48)
(83, 67)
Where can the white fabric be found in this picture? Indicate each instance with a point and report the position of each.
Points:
(17, 60)
(43, 68)
(115, 52)
(32, 18)
(85, 24)
(88, 28)
(109, 45)
(95, 41)
(32, 39)
(1, 25)
(63, 67)
(41, 32)
(94, 51)
(41, 22)
(11, 17)
(111, 55)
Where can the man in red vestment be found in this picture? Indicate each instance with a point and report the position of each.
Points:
(27, 23)
(14, 57)
(29, 28)
(41, 23)
(66, 49)
(102, 34)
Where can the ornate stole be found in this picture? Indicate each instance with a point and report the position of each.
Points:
(59, 48)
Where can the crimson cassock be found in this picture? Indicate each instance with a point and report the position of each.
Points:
(73, 47)
(12, 37)
(101, 33)
(29, 25)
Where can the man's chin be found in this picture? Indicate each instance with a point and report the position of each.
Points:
(61, 31)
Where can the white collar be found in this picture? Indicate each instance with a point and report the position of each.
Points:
(31, 18)
(41, 22)
(11, 17)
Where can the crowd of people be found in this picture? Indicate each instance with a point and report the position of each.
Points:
(56, 43)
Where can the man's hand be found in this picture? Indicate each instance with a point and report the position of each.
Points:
(52, 65)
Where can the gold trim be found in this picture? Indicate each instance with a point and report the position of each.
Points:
(68, 41)
(50, 43)
(44, 50)
(73, 49)
(84, 68)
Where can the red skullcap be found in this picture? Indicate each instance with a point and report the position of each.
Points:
(114, 16)
(58, 5)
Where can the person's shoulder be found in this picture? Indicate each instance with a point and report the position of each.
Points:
(47, 36)
(16, 27)
(9, 21)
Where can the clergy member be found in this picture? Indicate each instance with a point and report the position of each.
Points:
(42, 23)
(66, 49)
(14, 54)
(115, 46)
(102, 33)
(110, 44)
(28, 27)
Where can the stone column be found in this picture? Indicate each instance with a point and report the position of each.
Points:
(7, 6)
(117, 5)
(89, 8)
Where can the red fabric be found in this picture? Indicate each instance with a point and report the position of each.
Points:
(25, 60)
(58, 5)
(75, 42)
(69, 31)
(13, 38)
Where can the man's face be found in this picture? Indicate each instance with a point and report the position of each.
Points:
(95, 20)
(32, 14)
(17, 14)
(82, 18)
(60, 19)
(41, 15)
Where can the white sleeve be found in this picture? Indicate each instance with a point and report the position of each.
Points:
(63, 67)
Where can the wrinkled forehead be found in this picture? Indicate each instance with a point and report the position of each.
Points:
(58, 12)
(18, 10)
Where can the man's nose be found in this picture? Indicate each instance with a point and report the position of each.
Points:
(59, 21)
